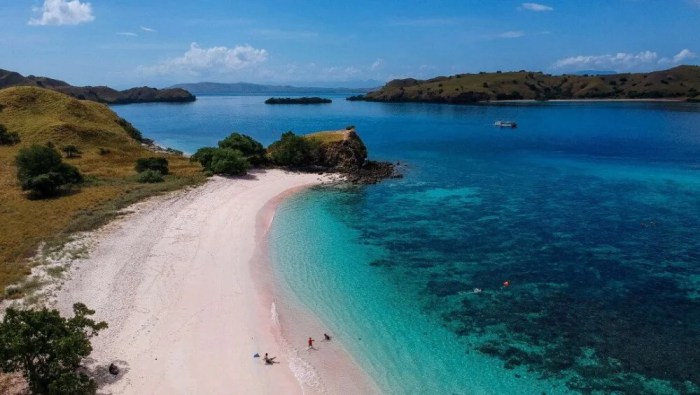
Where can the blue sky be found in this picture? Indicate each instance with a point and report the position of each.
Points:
(334, 43)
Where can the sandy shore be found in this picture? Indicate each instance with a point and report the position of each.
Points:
(183, 283)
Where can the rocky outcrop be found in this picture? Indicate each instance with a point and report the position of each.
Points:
(100, 94)
(344, 152)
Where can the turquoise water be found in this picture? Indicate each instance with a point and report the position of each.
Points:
(591, 212)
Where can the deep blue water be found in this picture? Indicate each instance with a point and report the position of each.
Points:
(590, 211)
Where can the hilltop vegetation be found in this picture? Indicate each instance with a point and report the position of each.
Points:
(106, 149)
(100, 94)
(297, 100)
(681, 83)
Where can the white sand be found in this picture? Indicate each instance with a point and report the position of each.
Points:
(179, 283)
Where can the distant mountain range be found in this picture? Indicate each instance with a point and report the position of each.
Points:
(678, 83)
(242, 88)
(101, 94)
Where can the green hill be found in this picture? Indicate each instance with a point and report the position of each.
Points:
(679, 83)
(100, 94)
(109, 147)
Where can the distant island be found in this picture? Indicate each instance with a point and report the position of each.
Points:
(679, 83)
(297, 100)
(244, 88)
(100, 94)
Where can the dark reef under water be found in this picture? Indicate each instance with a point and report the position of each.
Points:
(603, 273)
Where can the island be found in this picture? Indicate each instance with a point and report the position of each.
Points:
(297, 100)
(679, 83)
(100, 94)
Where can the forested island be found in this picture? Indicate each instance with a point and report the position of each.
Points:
(297, 100)
(100, 94)
(679, 83)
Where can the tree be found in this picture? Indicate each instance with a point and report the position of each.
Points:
(152, 163)
(204, 156)
(229, 161)
(41, 170)
(294, 151)
(8, 138)
(253, 151)
(71, 151)
(48, 349)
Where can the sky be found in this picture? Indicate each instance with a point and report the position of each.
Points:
(124, 43)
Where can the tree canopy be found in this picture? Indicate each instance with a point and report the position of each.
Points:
(251, 149)
(294, 151)
(48, 349)
(41, 170)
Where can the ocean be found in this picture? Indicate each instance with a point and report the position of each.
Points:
(562, 256)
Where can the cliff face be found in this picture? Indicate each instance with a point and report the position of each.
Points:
(100, 94)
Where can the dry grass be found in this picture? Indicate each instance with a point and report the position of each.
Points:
(331, 136)
(41, 116)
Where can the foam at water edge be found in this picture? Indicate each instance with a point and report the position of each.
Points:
(305, 374)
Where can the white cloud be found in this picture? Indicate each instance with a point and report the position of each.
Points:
(377, 64)
(130, 34)
(536, 7)
(425, 22)
(62, 12)
(198, 60)
(683, 56)
(148, 29)
(620, 60)
(512, 34)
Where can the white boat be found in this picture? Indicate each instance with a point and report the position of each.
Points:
(505, 124)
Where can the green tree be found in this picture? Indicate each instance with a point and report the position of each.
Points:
(294, 151)
(8, 138)
(71, 151)
(48, 349)
(229, 161)
(152, 163)
(204, 156)
(251, 149)
(41, 170)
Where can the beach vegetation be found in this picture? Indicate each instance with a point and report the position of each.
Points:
(252, 150)
(229, 162)
(158, 164)
(41, 170)
(150, 176)
(297, 100)
(48, 348)
(294, 151)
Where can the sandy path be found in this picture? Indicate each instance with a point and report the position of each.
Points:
(173, 280)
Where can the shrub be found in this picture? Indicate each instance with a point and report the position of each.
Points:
(229, 161)
(204, 156)
(8, 138)
(152, 163)
(103, 151)
(350, 127)
(150, 176)
(71, 151)
(294, 151)
(41, 170)
(48, 349)
(130, 130)
(251, 149)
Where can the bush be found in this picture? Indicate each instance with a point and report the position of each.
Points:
(152, 163)
(41, 170)
(130, 130)
(150, 176)
(294, 151)
(8, 138)
(204, 156)
(48, 349)
(253, 151)
(229, 161)
(71, 151)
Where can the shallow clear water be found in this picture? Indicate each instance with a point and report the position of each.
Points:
(591, 212)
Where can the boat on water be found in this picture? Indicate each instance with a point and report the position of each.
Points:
(506, 124)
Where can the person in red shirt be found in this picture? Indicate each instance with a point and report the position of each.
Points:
(311, 343)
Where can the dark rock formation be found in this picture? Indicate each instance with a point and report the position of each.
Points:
(113, 369)
(297, 100)
(100, 94)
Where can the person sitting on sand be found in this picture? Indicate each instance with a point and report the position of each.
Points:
(326, 337)
(268, 360)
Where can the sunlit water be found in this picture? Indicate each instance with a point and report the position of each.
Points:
(590, 212)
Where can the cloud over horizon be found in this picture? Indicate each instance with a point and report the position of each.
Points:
(620, 60)
(62, 12)
(198, 60)
(536, 7)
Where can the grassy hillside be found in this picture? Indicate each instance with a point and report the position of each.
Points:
(682, 82)
(108, 155)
